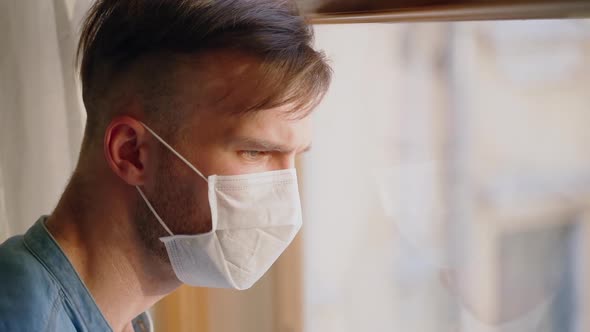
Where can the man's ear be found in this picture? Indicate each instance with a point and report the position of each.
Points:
(126, 149)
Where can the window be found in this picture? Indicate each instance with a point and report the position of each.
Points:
(449, 184)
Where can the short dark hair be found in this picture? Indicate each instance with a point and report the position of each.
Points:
(116, 34)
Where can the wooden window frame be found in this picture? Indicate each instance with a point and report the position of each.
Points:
(452, 11)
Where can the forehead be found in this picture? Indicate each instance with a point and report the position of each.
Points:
(218, 87)
(233, 132)
(274, 126)
(236, 82)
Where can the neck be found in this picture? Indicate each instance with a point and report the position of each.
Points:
(98, 236)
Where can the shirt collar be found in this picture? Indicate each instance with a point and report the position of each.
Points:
(42, 245)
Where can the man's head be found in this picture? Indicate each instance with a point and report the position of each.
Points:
(228, 83)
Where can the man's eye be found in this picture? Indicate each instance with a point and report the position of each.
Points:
(252, 154)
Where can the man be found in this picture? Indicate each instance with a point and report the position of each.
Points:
(196, 111)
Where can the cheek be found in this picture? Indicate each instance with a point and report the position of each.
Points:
(280, 162)
(182, 198)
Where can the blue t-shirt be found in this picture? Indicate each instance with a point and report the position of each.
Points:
(41, 291)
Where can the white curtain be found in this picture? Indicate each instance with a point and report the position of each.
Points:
(41, 113)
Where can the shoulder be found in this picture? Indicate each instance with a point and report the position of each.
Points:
(20, 271)
(28, 294)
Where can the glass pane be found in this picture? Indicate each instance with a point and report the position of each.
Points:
(450, 166)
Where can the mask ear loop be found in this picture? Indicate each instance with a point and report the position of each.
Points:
(181, 158)
(154, 211)
(174, 151)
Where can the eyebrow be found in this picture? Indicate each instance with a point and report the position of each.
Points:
(263, 145)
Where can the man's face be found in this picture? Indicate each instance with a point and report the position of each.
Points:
(216, 142)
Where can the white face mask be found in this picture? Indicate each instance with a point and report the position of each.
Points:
(254, 218)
